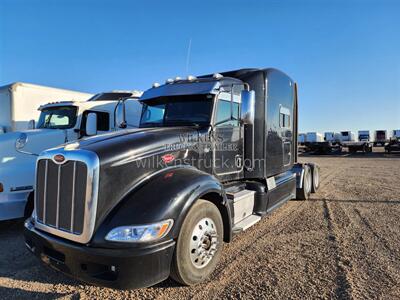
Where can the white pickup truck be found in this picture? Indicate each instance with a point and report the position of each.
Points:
(59, 123)
(19, 102)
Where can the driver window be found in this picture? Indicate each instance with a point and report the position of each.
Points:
(227, 115)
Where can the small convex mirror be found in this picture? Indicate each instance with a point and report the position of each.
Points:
(91, 124)
(248, 106)
(120, 121)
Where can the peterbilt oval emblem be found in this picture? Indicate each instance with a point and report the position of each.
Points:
(167, 158)
(59, 158)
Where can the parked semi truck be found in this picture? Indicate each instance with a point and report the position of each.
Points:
(394, 142)
(59, 123)
(19, 102)
(363, 144)
(332, 137)
(212, 156)
(380, 138)
(314, 137)
(322, 144)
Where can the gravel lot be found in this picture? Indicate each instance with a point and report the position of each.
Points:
(343, 243)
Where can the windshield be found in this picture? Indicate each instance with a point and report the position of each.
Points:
(62, 117)
(177, 110)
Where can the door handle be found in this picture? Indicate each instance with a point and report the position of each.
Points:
(238, 161)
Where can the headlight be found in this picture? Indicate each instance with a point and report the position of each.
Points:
(21, 141)
(141, 233)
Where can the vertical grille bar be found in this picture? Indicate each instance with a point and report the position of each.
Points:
(45, 191)
(58, 196)
(73, 198)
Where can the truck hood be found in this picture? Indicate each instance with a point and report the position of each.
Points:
(18, 169)
(38, 140)
(130, 157)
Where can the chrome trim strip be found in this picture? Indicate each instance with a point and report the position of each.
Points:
(73, 199)
(45, 192)
(93, 167)
(58, 195)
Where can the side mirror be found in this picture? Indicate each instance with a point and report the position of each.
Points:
(31, 124)
(91, 124)
(120, 121)
(248, 107)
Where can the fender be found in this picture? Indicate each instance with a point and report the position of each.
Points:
(168, 194)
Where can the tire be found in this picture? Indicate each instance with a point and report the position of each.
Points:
(305, 191)
(29, 206)
(315, 178)
(202, 223)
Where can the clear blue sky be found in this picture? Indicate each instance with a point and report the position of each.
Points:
(345, 55)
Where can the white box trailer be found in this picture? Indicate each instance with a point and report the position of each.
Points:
(314, 137)
(19, 103)
(301, 139)
(332, 137)
(396, 134)
(380, 138)
(322, 144)
(347, 136)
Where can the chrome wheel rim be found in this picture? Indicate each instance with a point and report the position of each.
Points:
(203, 243)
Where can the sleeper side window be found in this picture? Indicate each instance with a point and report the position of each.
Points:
(284, 117)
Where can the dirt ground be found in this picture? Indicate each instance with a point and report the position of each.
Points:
(343, 243)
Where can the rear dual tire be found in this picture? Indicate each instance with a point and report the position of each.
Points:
(304, 192)
(310, 182)
(315, 178)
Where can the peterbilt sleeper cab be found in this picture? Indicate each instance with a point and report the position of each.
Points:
(212, 156)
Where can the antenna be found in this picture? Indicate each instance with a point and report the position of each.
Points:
(188, 56)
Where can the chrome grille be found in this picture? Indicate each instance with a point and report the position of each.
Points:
(66, 194)
(61, 195)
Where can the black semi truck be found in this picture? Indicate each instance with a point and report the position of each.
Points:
(212, 156)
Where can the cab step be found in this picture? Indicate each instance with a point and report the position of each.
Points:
(246, 223)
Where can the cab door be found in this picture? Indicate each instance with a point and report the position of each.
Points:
(227, 137)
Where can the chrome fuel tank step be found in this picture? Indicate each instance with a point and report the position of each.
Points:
(243, 204)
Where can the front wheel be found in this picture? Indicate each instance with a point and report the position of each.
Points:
(199, 244)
